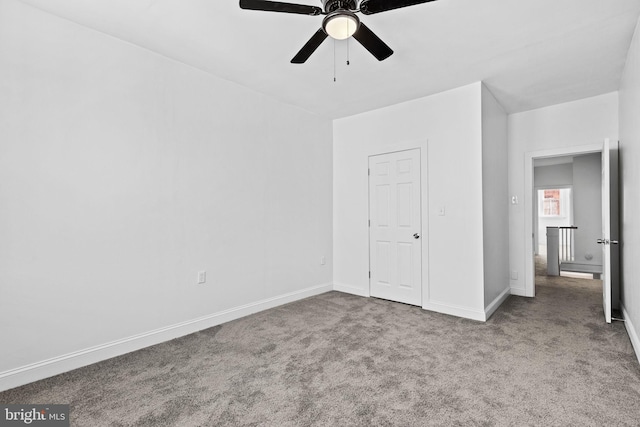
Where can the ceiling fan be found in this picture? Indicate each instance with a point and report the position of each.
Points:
(340, 22)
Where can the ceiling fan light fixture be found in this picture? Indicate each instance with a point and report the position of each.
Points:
(340, 24)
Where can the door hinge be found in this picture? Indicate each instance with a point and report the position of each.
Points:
(369, 275)
(369, 223)
(368, 171)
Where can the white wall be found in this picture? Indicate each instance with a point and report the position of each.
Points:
(495, 200)
(447, 128)
(122, 174)
(630, 189)
(587, 207)
(574, 124)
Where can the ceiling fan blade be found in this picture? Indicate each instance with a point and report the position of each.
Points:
(372, 43)
(276, 6)
(314, 42)
(369, 7)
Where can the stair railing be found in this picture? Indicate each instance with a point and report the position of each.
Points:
(567, 249)
(560, 248)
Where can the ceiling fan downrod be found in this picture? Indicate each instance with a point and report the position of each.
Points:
(333, 5)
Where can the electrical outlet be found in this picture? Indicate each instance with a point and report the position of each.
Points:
(202, 277)
(323, 261)
(514, 275)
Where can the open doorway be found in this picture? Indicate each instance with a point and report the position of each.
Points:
(608, 239)
(563, 179)
(567, 215)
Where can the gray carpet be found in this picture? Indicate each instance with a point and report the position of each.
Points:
(342, 360)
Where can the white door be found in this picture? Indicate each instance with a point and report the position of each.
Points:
(609, 238)
(395, 251)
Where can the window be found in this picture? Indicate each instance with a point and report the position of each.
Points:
(551, 203)
(555, 203)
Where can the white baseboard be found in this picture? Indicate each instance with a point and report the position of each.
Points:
(632, 331)
(467, 313)
(432, 306)
(518, 291)
(348, 289)
(491, 308)
(57, 365)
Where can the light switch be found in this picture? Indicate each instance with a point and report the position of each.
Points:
(441, 211)
(202, 277)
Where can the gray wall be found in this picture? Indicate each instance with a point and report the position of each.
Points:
(495, 198)
(553, 176)
(587, 207)
(630, 178)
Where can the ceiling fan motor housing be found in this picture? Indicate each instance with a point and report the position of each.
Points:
(332, 5)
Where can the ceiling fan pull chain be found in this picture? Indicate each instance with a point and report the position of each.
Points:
(348, 51)
(334, 60)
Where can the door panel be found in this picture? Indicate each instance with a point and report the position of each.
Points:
(405, 267)
(394, 201)
(382, 202)
(404, 195)
(610, 238)
(384, 263)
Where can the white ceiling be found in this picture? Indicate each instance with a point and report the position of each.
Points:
(529, 53)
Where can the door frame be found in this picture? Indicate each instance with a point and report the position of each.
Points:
(610, 228)
(529, 157)
(422, 147)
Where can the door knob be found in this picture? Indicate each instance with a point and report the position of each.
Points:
(614, 242)
(600, 241)
(604, 241)
(416, 236)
